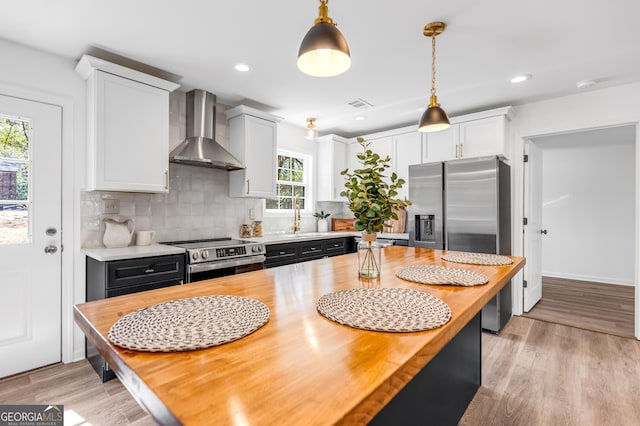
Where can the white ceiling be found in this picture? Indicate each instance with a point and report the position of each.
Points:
(486, 43)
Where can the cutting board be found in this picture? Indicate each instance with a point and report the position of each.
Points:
(395, 226)
(342, 225)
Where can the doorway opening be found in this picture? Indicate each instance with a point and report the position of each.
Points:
(586, 231)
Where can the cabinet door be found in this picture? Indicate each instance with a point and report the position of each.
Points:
(441, 146)
(382, 147)
(130, 134)
(339, 164)
(253, 141)
(482, 137)
(353, 149)
(408, 151)
(332, 157)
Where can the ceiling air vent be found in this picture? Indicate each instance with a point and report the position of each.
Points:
(360, 104)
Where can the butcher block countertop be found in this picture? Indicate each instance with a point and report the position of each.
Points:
(300, 368)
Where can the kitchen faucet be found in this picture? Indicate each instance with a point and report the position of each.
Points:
(296, 216)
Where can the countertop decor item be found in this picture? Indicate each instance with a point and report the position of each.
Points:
(117, 234)
(478, 258)
(189, 324)
(323, 223)
(257, 228)
(322, 215)
(245, 231)
(441, 275)
(372, 201)
(385, 309)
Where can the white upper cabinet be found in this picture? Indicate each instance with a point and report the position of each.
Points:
(331, 160)
(474, 135)
(442, 145)
(353, 149)
(253, 140)
(482, 137)
(407, 150)
(127, 128)
(403, 145)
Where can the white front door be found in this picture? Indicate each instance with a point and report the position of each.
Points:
(30, 219)
(532, 231)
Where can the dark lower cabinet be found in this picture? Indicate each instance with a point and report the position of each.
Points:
(441, 392)
(118, 277)
(288, 253)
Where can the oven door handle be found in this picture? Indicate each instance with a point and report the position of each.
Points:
(226, 263)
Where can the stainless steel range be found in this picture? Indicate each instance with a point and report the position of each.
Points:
(220, 257)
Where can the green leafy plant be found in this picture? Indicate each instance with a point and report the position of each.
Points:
(322, 215)
(372, 198)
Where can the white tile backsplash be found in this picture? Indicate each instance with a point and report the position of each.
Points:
(197, 206)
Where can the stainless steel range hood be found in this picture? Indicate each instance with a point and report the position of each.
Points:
(200, 148)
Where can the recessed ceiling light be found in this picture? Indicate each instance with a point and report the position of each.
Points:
(242, 67)
(520, 78)
(360, 117)
(585, 84)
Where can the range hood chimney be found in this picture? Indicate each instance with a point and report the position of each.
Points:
(200, 147)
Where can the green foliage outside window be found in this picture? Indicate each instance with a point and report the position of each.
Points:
(14, 145)
(290, 183)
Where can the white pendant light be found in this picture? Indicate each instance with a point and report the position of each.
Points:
(324, 51)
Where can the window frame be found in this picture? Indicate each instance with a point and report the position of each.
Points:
(306, 179)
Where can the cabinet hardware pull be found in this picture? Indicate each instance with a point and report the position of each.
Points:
(460, 150)
(166, 179)
(148, 271)
(282, 252)
(248, 187)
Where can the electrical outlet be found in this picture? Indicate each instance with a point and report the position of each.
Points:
(252, 214)
(110, 206)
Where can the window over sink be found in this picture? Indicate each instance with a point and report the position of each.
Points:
(292, 182)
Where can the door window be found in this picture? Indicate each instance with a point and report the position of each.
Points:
(15, 165)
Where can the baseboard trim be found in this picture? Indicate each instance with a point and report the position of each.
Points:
(601, 280)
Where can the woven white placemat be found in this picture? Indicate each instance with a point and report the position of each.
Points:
(441, 275)
(385, 309)
(189, 324)
(478, 258)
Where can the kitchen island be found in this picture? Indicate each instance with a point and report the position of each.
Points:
(299, 368)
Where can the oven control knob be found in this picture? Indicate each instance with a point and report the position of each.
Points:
(195, 255)
(205, 254)
(256, 249)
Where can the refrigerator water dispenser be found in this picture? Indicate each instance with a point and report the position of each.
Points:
(425, 227)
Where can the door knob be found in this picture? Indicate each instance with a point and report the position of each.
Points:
(50, 249)
(543, 231)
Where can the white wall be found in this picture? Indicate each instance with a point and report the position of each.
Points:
(588, 193)
(586, 110)
(36, 75)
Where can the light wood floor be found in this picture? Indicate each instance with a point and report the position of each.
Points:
(606, 308)
(533, 373)
(539, 373)
(78, 388)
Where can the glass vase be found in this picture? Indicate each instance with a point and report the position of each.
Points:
(369, 255)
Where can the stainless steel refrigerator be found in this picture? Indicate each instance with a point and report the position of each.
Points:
(464, 205)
